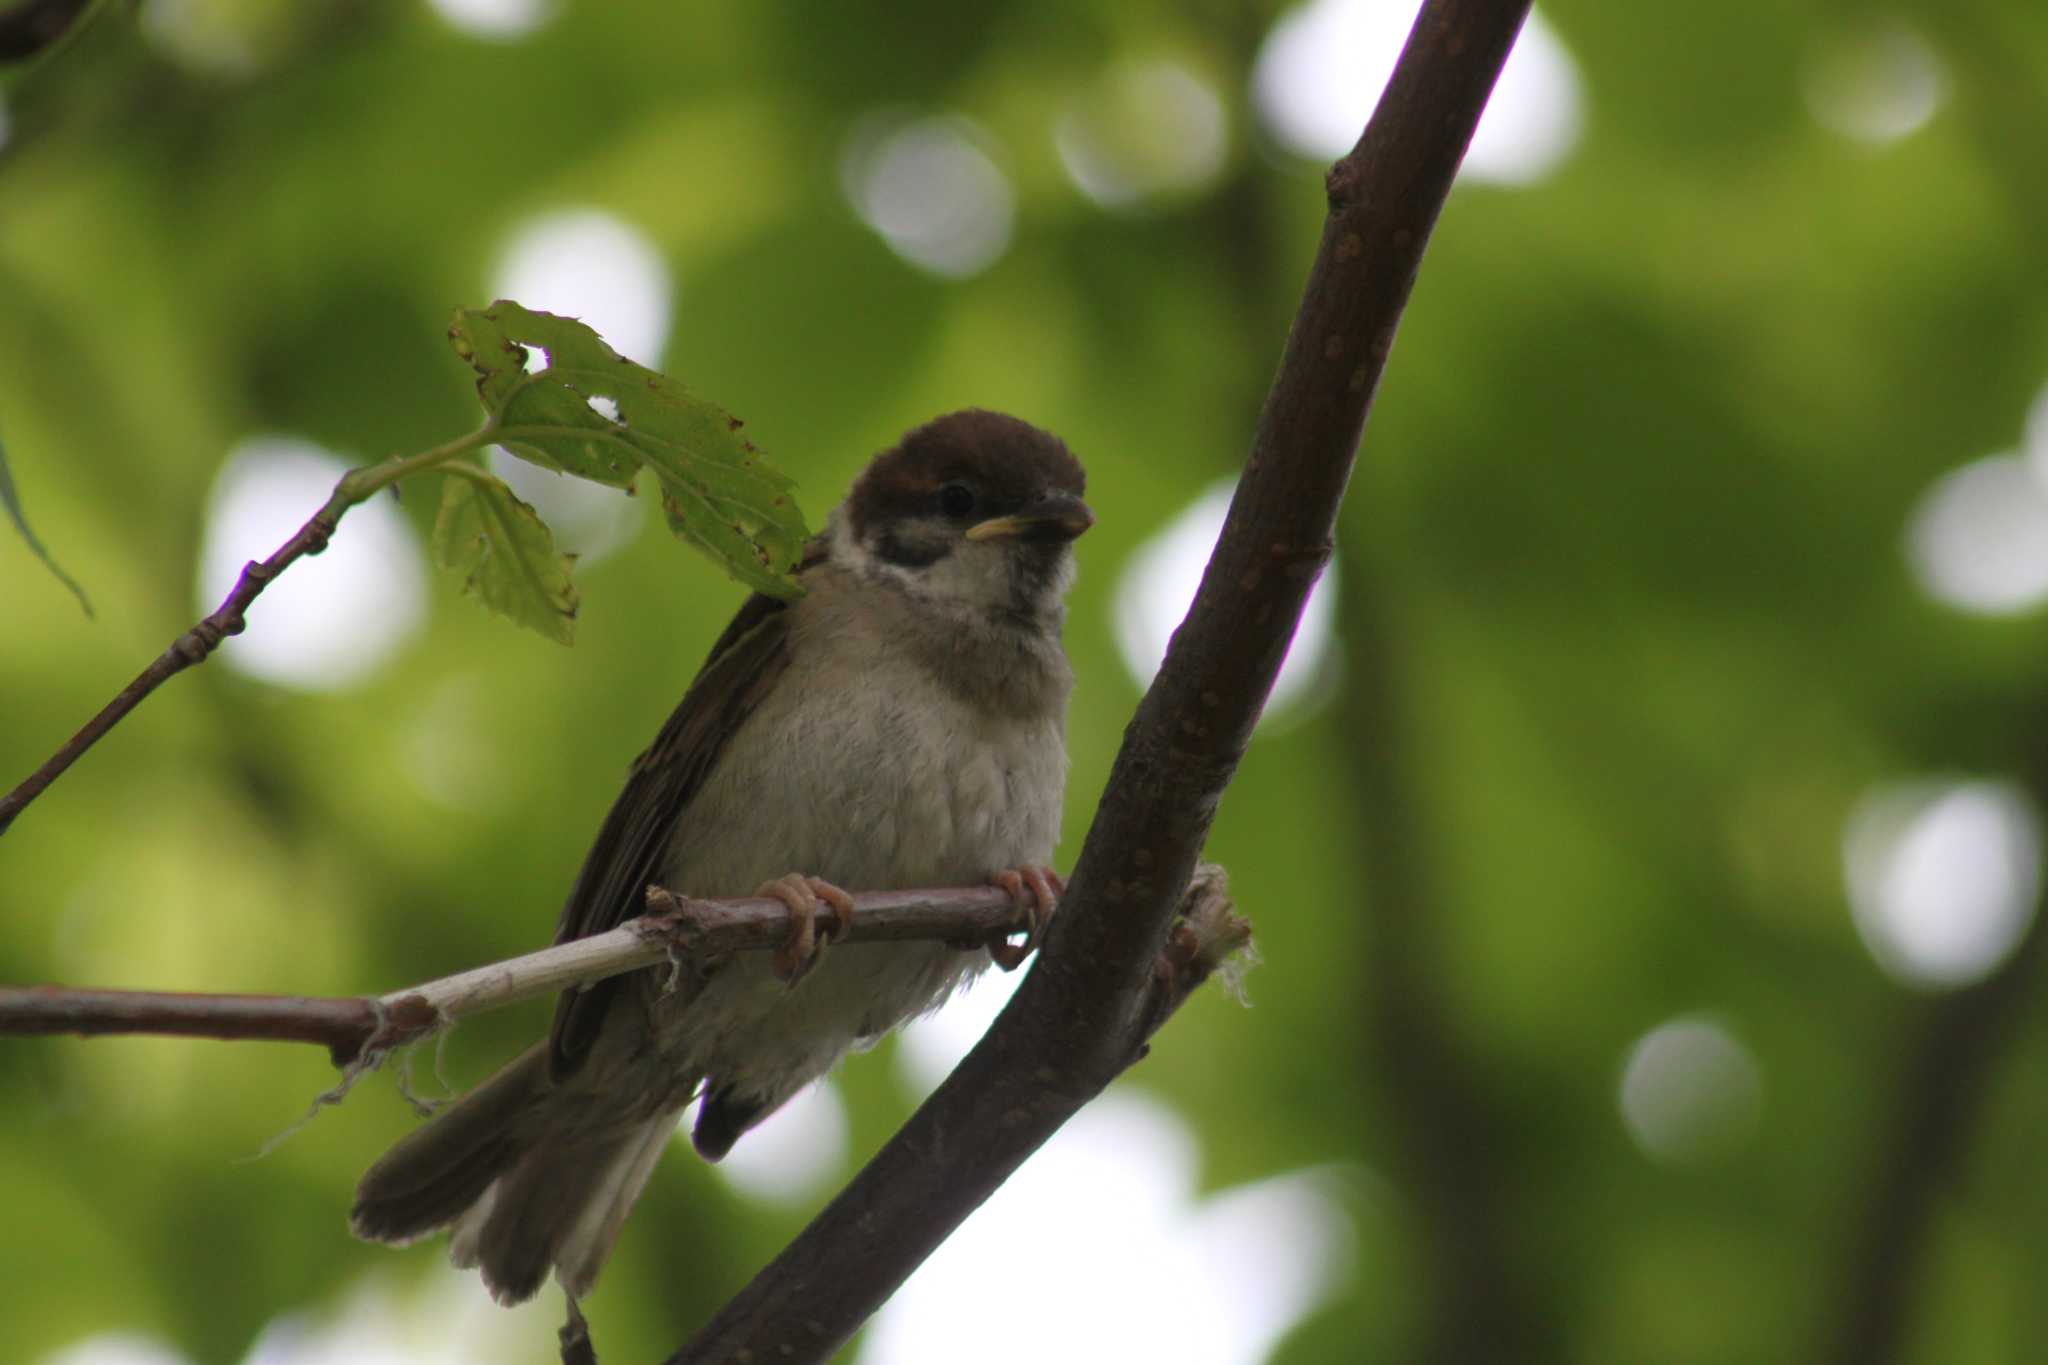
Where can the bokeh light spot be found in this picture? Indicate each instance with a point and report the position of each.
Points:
(331, 619)
(450, 1319)
(2035, 441)
(1875, 84)
(1321, 70)
(928, 1049)
(588, 519)
(501, 21)
(1942, 877)
(1145, 129)
(1158, 585)
(115, 1348)
(211, 36)
(590, 265)
(1690, 1091)
(1979, 538)
(796, 1152)
(444, 746)
(932, 191)
(1215, 1282)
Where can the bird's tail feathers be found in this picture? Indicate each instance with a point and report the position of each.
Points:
(520, 1196)
(562, 1207)
(442, 1168)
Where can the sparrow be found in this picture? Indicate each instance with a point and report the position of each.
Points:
(901, 724)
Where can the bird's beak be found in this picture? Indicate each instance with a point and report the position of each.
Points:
(1061, 516)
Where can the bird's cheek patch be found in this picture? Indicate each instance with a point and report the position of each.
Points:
(907, 549)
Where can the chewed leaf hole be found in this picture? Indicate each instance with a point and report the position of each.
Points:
(571, 417)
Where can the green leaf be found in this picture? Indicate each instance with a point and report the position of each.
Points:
(721, 532)
(507, 552)
(720, 494)
(12, 501)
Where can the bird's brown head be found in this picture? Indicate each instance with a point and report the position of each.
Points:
(973, 506)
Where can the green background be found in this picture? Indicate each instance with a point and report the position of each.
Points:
(1625, 633)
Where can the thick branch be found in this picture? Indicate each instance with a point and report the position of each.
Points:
(1081, 1015)
(675, 928)
(31, 26)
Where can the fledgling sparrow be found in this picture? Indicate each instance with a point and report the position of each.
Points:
(901, 724)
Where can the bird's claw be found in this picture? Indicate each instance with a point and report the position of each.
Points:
(1035, 891)
(806, 944)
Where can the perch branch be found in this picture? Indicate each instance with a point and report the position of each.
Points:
(675, 928)
(1082, 1014)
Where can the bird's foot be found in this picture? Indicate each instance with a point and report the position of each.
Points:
(1035, 891)
(806, 944)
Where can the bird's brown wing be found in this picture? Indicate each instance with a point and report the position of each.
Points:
(632, 846)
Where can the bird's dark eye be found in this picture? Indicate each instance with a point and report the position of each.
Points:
(956, 500)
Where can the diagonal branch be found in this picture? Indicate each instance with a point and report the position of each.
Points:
(188, 649)
(1082, 1015)
(28, 28)
(193, 647)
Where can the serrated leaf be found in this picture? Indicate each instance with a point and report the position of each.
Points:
(703, 524)
(12, 501)
(722, 496)
(506, 553)
(488, 349)
(557, 428)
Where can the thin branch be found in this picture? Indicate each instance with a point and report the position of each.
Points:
(1956, 1043)
(676, 929)
(1480, 1303)
(341, 1023)
(193, 647)
(1081, 1016)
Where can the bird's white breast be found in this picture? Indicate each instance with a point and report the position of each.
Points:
(861, 768)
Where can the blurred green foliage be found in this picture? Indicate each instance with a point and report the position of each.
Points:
(1626, 630)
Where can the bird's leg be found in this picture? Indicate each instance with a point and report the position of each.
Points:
(806, 945)
(574, 1336)
(1035, 891)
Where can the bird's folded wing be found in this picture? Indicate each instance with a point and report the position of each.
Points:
(632, 846)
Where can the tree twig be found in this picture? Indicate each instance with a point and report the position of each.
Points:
(676, 928)
(340, 1023)
(1081, 1016)
(1480, 1303)
(1955, 1043)
(358, 485)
